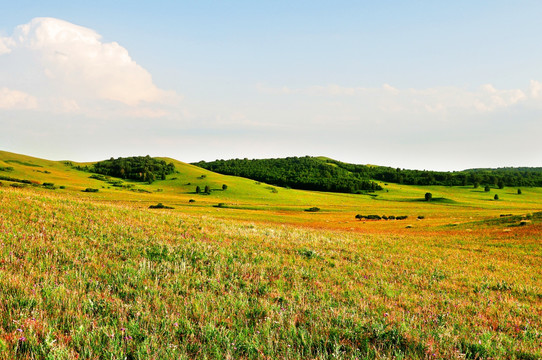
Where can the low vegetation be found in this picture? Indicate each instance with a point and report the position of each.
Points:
(111, 276)
(115, 281)
(138, 168)
(306, 173)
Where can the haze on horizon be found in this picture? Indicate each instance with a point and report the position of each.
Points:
(421, 85)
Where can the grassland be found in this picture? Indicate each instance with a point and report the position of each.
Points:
(100, 275)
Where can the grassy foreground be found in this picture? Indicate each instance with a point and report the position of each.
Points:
(82, 279)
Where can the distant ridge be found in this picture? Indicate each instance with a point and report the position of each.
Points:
(283, 171)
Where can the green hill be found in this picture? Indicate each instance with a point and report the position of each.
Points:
(251, 200)
(326, 174)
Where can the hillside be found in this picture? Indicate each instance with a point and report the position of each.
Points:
(100, 275)
(257, 201)
(323, 173)
(305, 173)
(105, 274)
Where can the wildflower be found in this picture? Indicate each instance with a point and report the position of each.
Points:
(176, 324)
(22, 338)
(20, 330)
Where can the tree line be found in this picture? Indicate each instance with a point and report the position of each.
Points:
(306, 173)
(500, 177)
(311, 173)
(137, 168)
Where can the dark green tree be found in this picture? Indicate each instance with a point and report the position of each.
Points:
(224, 187)
(207, 189)
(428, 196)
(486, 189)
(198, 190)
(519, 191)
(496, 197)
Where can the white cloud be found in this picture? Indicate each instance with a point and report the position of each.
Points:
(5, 44)
(13, 99)
(74, 70)
(439, 99)
(535, 89)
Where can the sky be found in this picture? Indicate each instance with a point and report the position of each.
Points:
(436, 85)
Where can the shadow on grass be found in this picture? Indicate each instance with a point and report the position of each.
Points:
(438, 200)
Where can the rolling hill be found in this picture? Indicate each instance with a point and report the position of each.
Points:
(257, 201)
(103, 275)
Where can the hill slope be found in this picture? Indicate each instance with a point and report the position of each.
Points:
(322, 173)
(256, 201)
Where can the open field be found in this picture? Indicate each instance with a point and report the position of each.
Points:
(100, 275)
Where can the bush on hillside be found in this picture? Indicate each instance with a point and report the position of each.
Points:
(138, 168)
(160, 206)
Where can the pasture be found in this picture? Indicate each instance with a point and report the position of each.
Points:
(100, 275)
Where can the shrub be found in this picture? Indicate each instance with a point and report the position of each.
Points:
(313, 209)
(308, 253)
(486, 189)
(49, 186)
(91, 190)
(519, 191)
(207, 189)
(191, 201)
(61, 187)
(496, 197)
(224, 187)
(99, 177)
(421, 217)
(428, 196)
(391, 217)
(160, 206)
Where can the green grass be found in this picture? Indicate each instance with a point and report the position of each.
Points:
(102, 276)
(114, 281)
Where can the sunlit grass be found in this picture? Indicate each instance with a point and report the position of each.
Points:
(89, 280)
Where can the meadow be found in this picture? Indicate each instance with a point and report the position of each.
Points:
(100, 275)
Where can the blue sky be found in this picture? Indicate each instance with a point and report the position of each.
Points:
(420, 84)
